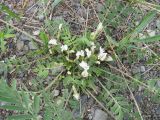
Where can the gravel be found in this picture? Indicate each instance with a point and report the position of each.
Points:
(20, 45)
(100, 115)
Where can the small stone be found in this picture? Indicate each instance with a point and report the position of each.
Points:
(76, 113)
(142, 69)
(158, 24)
(25, 48)
(20, 45)
(151, 33)
(158, 83)
(32, 46)
(41, 17)
(138, 98)
(24, 38)
(56, 93)
(36, 33)
(100, 7)
(158, 111)
(100, 115)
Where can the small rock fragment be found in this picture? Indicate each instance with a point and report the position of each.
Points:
(20, 45)
(32, 46)
(23, 37)
(100, 115)
(142, 69)
(56, 93)
(25, 48)
(158, 83)
(41, 17)
(36, 33)
(151, 33)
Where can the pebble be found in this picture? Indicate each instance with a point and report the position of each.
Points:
(76, 113)
(36, 33)
(138, 98)
(158, 111)
(100, 115)
(32, 46)
(151, 33)
(20, 45)
(56, 93)
(100, 7)
(41, 17)
(23, 37)
(25, 48)
(158, 83)
(142, 69)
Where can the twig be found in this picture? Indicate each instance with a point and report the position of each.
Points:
(100, 104)
(54, 81)
(19, 30)
(139, 111)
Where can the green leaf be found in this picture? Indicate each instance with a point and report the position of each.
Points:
(56, 2)
(146, 20)
(5, 99)
(36, 104)
(43, 36)
(8, 11)
(6, 36)
(12, 107)
(20, 117)
(147, 40)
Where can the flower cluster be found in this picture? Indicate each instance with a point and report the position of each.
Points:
(83, 55)
(86, 53)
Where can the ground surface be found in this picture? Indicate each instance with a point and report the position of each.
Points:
(76, 15)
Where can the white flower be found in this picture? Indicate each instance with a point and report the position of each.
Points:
(71, 51)
(60, 26)
(102, 55)
(52, 42)
(88, 52)
(92, 43)
(98, 62)
(64, 48)
(99, 28)
(85, 73)
(109, 58)
(80, 53)
(68, 72)
(92, 46)
(75, 93)
(84, 65)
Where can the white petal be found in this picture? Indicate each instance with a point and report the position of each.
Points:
(102, 55)
(75, 93)
(68, 72)
(60, 26)
(84, 65)
(64, 48)
(88, 52)
(82, 53)
(98, 62)
(109, 58)
(85, 73)
(99, 27)
(53, 42)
